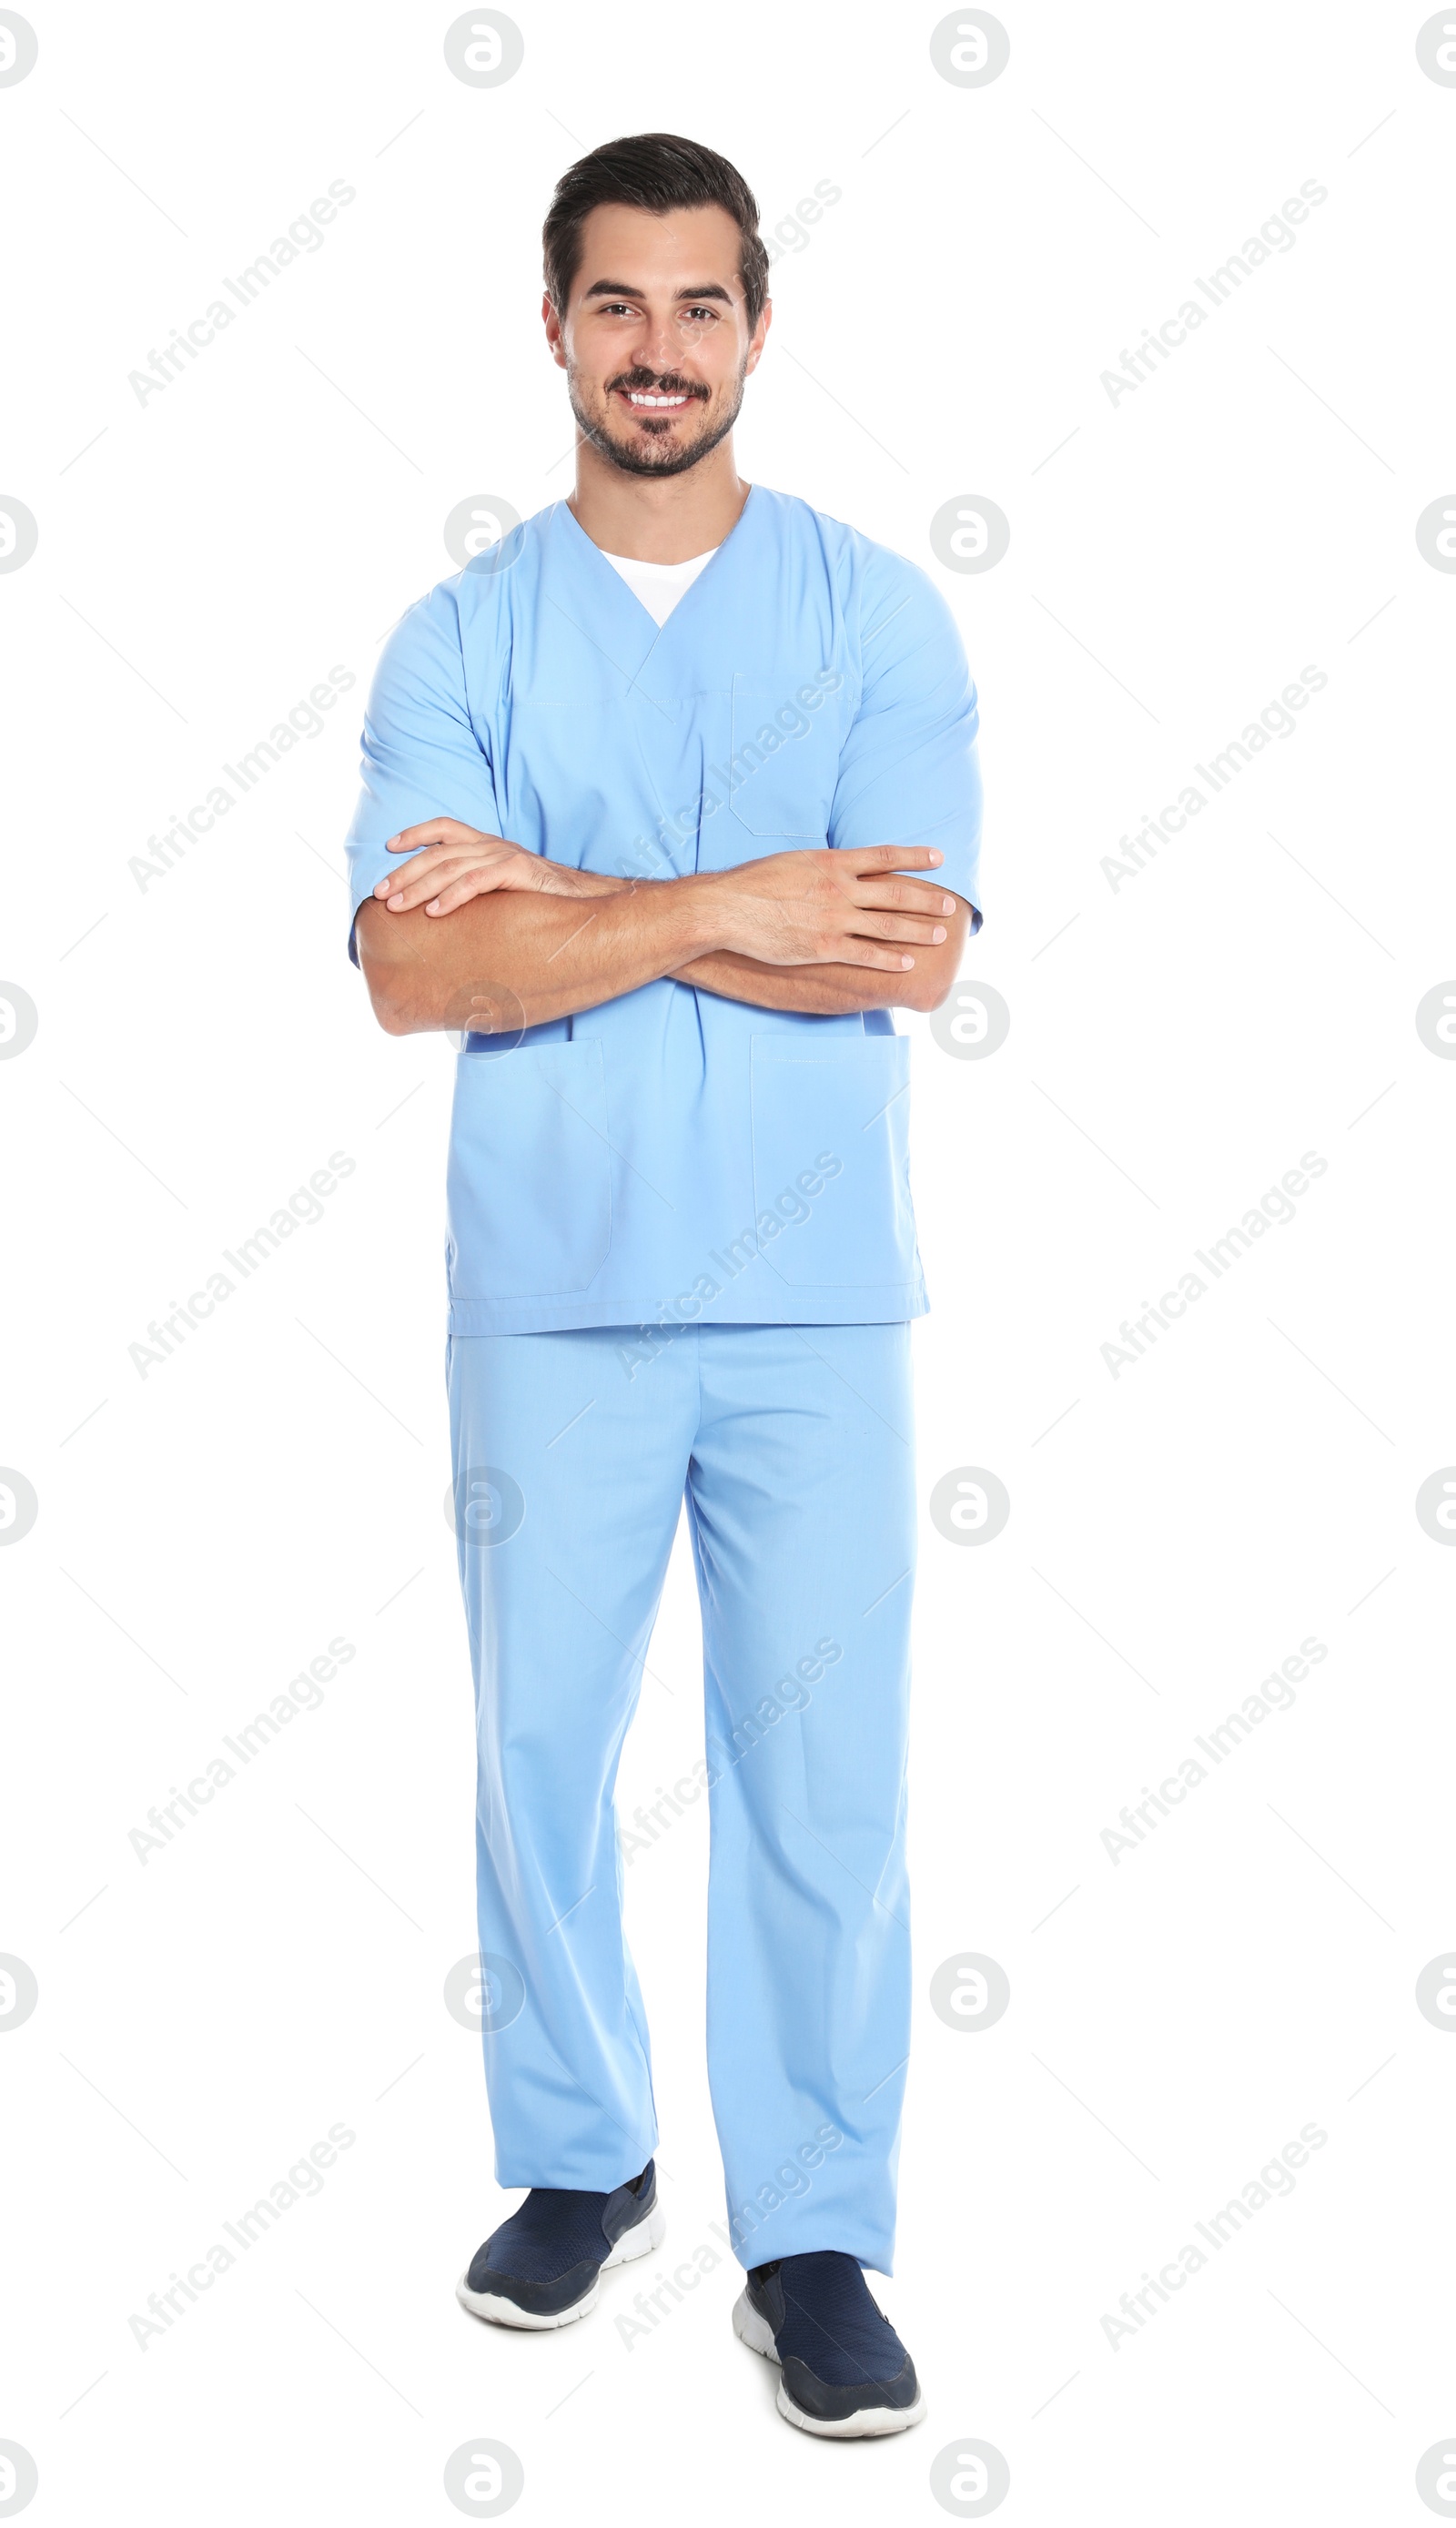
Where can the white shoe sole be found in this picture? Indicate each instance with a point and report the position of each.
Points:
(638, 2242)
(873, 2423)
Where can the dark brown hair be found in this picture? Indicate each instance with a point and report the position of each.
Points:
(653, 170)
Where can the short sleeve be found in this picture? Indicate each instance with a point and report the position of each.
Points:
(909, 770)
(422, 756)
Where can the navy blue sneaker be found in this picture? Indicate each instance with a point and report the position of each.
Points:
(846, 2375)
(543, 2266)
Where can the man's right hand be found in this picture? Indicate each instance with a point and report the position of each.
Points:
(452, 862)
(830, 908)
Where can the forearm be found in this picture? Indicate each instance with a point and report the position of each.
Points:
(544, 955)
(476, 934)
(814, 991)
(834, 990)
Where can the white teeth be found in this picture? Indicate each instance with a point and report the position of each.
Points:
(660, 403)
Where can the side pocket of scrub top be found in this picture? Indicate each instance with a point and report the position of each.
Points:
(831, 1158)
(529, 1182)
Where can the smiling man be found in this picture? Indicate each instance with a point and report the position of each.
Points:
(670, 798)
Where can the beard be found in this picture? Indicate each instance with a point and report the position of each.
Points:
(634, 450)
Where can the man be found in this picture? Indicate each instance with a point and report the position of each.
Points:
(652, 793)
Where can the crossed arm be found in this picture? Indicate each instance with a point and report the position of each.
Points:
(477, 933)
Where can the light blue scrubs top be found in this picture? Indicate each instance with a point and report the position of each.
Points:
(672, 1157)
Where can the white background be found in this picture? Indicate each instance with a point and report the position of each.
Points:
(1176, 1044)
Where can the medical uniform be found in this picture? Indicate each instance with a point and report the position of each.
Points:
(658, 585)
(681, 1259)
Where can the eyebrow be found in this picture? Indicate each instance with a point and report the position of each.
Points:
(625, 289)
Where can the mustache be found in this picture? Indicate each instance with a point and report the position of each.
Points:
(651, 382)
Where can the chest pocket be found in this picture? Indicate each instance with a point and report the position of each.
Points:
(785, 758)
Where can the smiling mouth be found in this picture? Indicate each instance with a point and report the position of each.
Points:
(649, 402)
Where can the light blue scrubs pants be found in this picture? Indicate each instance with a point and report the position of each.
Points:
(794, 1445)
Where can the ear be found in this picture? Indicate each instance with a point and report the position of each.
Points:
(553, 323)
(760, 333)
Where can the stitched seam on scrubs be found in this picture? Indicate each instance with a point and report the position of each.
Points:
(745, 687)
(661, 628)
(823, 1304)
(629, 680)
(658, 629)
(633, 685)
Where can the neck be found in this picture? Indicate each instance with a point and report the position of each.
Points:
(672, 520)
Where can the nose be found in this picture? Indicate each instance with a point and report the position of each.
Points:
(658, 347)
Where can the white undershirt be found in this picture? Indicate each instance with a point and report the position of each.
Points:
(657, 585)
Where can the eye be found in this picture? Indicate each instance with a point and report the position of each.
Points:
(709, 315)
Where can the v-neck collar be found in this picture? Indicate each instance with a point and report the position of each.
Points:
(660, 631)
